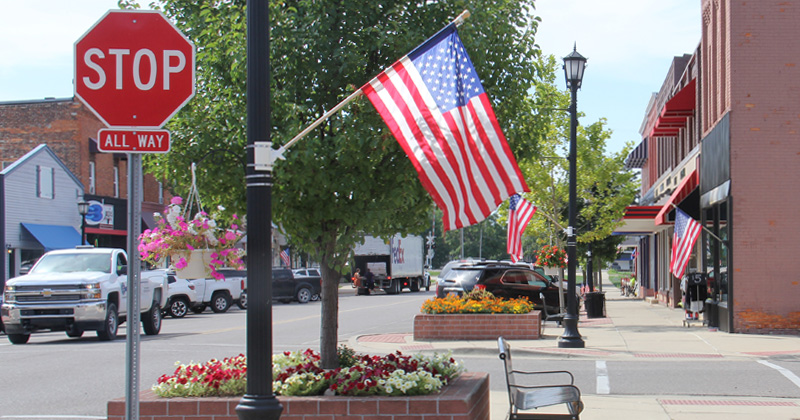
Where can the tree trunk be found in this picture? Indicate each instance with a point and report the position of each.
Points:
(329, 325)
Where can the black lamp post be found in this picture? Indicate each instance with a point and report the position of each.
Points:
(83, 210)
(574, 64)
(258, 403)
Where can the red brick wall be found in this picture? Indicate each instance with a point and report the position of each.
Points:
(765, 163)
(478, 326)
(466, 398)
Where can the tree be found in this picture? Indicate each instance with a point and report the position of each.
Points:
(604, 186)
(349, 177)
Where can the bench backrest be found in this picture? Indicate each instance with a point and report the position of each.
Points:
(505, 355)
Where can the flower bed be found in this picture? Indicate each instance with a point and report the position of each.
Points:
(478, 315)
(465, 398)
(298, 374)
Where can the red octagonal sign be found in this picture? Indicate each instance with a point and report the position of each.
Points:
(134, 68)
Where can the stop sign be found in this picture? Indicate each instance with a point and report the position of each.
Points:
(134, 68)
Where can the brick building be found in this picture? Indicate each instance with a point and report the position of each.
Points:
(69, 129)
(720, 141)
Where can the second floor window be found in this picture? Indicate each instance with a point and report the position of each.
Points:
(91, 178)
(116, 181)
(44, 182)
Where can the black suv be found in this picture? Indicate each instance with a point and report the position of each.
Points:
(503, 279)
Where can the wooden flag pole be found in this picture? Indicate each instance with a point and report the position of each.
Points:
(457, 21)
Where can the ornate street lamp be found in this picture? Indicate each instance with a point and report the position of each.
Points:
(83, 210)
(574, 64)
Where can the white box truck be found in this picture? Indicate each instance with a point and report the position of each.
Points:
(396, 264)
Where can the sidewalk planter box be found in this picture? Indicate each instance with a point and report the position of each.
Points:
(450, 327)
(465, 398)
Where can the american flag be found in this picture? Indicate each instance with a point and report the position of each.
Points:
(435, 105)
(519, 214)
(285, 257)
(686, 232)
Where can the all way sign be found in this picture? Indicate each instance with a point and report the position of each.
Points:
(133, 141)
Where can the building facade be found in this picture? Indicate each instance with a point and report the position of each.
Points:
(720, 141)
(69, 130)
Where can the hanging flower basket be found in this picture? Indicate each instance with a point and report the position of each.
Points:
(197, 247)
(551, 256)
(197, 263)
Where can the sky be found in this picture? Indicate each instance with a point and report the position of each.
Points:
(629, 45)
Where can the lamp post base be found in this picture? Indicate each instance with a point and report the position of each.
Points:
(255, 407)
(571, 338)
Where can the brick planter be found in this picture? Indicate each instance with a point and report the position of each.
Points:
(428, 327)
(466, 398)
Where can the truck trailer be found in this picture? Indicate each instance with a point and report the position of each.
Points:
(396, 264)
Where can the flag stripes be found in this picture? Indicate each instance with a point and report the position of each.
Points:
(460, 154)
(687, 230)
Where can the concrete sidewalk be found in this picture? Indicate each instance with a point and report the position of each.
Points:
(634, 329)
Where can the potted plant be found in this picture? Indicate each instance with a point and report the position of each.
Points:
(196, 246)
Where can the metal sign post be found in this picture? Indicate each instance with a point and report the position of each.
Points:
(134, 286)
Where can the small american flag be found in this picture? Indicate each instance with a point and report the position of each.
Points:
(435, 106)
(285, 257)
(687, 230)
(519, 214)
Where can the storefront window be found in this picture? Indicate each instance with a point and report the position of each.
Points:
(715, 254)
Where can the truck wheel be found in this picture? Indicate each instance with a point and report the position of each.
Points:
(179, 308)
(109, 331)
(242, 303)
(18, 338)
(394, 287)
(304, 295)
(413, 285)
(151, 320)
(198, 309)
(220, 302)
(74, 332)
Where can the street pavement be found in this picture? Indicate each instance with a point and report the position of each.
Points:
(633, 329)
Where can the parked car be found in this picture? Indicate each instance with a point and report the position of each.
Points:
(219, 295)
(286, 287)
(503, 279)
(181, 296)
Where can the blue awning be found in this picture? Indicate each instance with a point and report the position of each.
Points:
(53, 236)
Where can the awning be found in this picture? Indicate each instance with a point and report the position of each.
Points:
(54, 236)
(637, 157)
(681, 192)
(148, 220)
(676, 111)
(638, 220)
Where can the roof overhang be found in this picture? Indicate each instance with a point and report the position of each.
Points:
(638, 220)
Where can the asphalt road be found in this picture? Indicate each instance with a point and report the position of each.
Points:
(55, 377)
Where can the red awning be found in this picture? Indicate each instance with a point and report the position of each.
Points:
(681, 191)
(676, 111)
(638, 220)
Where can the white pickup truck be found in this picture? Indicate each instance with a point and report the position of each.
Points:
(77, 290)
(220, 294)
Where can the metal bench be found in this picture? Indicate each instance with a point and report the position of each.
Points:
(545, 394)
(559, 317)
